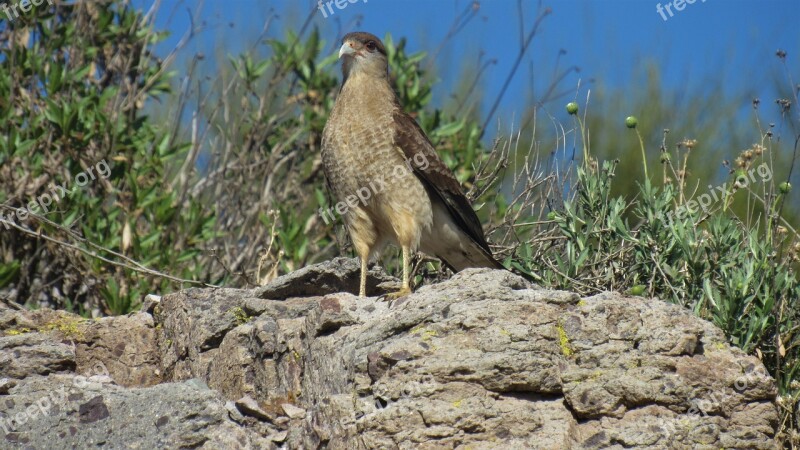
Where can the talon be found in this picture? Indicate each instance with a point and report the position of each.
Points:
(396, 295)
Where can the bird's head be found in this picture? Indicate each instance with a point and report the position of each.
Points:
(363, 53)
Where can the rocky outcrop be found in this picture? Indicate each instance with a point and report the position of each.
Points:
(482, 360)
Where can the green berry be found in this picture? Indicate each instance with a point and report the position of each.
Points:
(572, 108)
(637, 289)
(785, 187)
(631, 122)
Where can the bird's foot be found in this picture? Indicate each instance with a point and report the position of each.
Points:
(396, 295)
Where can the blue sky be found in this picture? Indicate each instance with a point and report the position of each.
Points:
(713, 42)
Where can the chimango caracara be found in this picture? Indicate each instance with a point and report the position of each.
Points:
(391, 186)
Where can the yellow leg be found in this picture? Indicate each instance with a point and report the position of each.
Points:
(406, 269)
(406, 288)
(362, 292)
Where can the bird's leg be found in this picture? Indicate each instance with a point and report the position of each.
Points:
(406, 288)
(362, 292)
(406, 269)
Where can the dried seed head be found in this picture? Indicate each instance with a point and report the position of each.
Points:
(688, 143)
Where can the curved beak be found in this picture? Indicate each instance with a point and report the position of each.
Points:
(347, 49)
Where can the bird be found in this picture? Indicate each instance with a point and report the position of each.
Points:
(390, 184)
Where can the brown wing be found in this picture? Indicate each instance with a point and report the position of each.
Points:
(437, 177)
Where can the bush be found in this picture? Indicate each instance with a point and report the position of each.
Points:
(73, 82)
(692, 250)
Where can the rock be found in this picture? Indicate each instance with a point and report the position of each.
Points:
(249, 407)
(482, 361)
(125, 346)
(339, 274)
(279, 437)
(293, 412)
(66, 412)
(150, 303)
(56, 341)
(33, 353)
(6, 385)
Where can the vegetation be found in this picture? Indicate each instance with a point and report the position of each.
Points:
(737, 272)
(73, 83)
(218, 181)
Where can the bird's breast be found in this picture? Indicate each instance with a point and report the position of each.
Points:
(367, 171)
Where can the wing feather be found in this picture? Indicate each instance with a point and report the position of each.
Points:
(437, 177)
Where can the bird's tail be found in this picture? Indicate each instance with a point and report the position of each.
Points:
(473, 255)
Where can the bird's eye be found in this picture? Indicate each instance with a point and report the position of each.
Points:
(371, 46)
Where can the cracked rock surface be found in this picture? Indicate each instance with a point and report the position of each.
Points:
(481, 361)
